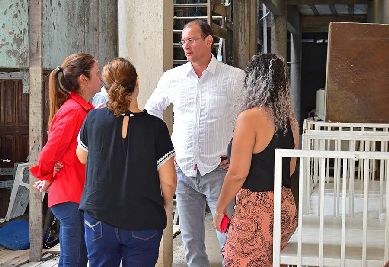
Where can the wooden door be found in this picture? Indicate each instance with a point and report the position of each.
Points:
(13, 131)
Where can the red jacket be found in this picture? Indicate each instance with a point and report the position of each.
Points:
(61, 145)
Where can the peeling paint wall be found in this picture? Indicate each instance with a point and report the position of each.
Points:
(13, 34)
(69, 26)
(72, 26)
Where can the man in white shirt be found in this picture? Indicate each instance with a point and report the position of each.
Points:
(101, 98)
(204, 93)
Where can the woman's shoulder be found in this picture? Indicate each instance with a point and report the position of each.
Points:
(153, 118)
(256, 114)
(68, 109)
(256, 119)
(156, 123)
(97, 112)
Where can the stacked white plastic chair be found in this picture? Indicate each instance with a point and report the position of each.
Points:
(345, 141)
(343, 208)
(343, 239)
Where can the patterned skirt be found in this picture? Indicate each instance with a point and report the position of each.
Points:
(250, 235)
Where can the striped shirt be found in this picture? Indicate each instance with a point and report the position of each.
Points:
(204, 112)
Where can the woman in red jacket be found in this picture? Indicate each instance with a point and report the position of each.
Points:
(71, 86)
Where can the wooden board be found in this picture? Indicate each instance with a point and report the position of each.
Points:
(20, 258)
(357, 73)
(13, 257)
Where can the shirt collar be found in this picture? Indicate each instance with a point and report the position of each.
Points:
(211, 66)
(81, 101)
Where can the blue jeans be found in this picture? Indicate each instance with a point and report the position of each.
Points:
(71, 238)
(108, 245)
(192, 194)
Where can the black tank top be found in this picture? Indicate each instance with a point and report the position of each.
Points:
(261, 174)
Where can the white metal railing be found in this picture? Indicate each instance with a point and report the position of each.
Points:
(320, 250)
(310, 124)
(340, 141)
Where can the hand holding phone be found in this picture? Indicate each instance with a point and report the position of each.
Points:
(224, 223)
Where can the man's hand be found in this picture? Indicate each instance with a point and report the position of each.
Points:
(224, 163)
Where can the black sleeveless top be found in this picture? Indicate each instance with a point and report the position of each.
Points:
(261, 174)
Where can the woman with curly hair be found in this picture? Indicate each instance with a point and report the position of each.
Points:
(266, 122)
(130, 178)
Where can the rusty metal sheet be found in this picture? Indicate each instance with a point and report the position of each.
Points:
(358, 73)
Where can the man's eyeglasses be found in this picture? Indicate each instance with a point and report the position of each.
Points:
(189, 41)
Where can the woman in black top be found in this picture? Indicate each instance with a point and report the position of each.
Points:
(129, 158)
(266, 122)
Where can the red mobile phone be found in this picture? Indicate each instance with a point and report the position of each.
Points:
(224, 223)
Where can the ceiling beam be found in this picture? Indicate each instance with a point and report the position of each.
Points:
(321, 23)
(325, 2)
(333, 10)
(273, 6)
(314, 10)
(293, 23)
(351, 9)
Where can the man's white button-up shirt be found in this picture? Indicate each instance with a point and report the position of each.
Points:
(204, 112)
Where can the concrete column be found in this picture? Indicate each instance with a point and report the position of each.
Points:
(36, 105)
(145, 30)
(146, 38)
(380, 11)
(123, 23)
(244, 32)
(386, 11)
(279, 30)
(295, 74)
(264, 29)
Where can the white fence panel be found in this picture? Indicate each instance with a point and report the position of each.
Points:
(329, 240)
(340, 141)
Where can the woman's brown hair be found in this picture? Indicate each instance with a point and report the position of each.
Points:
(119, 78)
(64, 79)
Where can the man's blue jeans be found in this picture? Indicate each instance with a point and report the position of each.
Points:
(192, 194)
(108, 245)
(71, 238)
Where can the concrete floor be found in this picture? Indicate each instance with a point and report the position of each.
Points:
(211, 242)
(212, 246)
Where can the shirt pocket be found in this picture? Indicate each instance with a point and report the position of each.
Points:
(217, 104)
(183, 102)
